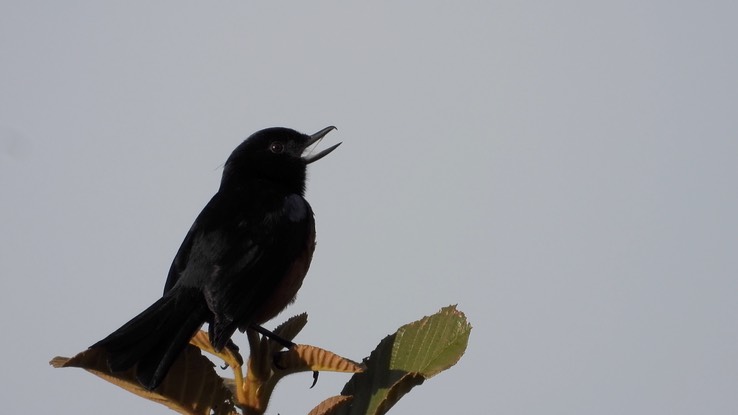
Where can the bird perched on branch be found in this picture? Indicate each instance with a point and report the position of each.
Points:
(241, 263)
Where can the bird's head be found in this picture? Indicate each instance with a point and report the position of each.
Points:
(278, 154)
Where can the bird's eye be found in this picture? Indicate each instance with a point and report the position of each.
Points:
(276, 147)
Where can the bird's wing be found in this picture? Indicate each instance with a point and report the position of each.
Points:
(238, 251)
(180, 259)
(219, 228)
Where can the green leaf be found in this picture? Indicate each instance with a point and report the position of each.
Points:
(401, 361)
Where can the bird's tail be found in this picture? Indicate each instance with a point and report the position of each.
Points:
(156, 337)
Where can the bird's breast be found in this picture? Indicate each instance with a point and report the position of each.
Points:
(287, 288)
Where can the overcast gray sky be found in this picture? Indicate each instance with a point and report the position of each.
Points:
(564, 171)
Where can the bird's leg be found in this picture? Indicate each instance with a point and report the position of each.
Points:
(235, 351)
(271, 336)
(284, 343)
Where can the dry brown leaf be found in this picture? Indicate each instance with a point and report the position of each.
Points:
(330, 405)
(303, 357)
(191, 387)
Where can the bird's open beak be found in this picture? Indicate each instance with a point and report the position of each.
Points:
(314, 139)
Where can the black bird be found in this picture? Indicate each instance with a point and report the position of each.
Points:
(240, 264)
